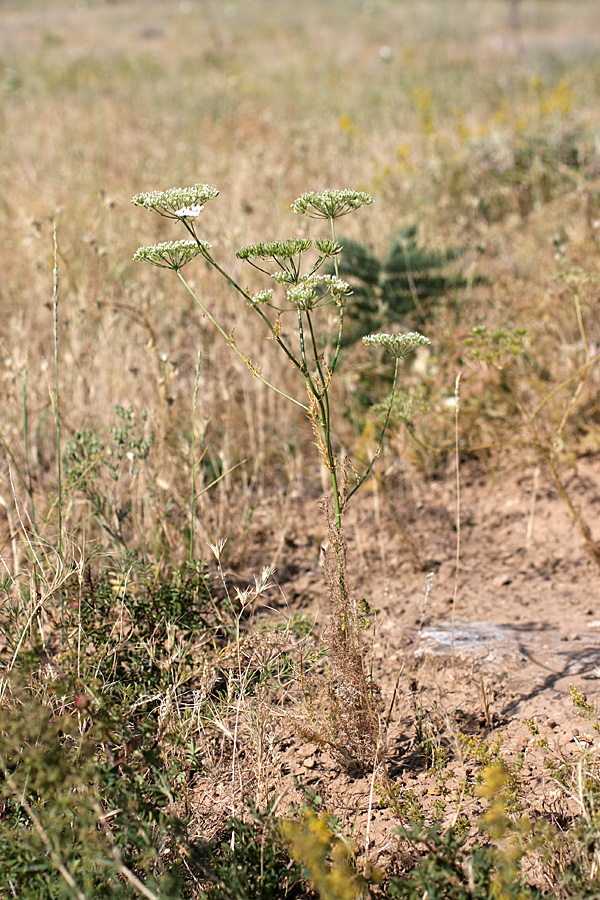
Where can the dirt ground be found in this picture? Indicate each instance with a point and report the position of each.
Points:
(526, 628)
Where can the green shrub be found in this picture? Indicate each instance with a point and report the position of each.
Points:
(405, 284)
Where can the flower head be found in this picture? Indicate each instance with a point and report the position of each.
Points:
(176, 203)
(304, 294)
(327, 247)
(312, 290)
(171, 254)
(337, 288)
(274, 249)
(262, 296)
(398, 345)
(330, 204)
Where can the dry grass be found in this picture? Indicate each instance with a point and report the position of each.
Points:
(264, 102)
(430, 107)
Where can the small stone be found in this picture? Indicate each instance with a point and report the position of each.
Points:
(502, 580)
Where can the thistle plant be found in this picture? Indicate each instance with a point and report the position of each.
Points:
(299, 289)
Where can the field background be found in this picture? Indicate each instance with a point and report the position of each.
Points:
(481, 129)
(423, 108)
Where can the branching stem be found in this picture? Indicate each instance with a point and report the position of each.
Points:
(233, 345)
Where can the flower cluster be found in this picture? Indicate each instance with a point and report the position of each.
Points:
(275, 250)
(337, 288)
(170, 254)
(330, 204)
(303, 295)
(262, 296)
(309, 293)
(328, 248)
(398, 345)
(177, 203)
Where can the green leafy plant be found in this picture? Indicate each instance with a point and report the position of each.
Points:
(402, 285)
(451, 869)
(247, 860)
(302, 290)
(83, 802)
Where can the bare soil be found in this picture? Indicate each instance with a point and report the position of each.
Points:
(487, 654)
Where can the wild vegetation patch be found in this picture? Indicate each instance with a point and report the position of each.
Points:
(232, 493)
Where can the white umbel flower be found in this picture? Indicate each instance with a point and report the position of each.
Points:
(398, 345)
(171, 254)
(173, 202)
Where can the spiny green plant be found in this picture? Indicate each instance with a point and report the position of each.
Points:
(301, 290)
(403, 284)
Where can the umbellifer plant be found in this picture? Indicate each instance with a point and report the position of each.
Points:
(299, 290)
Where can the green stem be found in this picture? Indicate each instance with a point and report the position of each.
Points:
(335, 259)
(381, 435)
(305, 367)
(338, 345)
(232, 344)
(331, 463)
(336, 268)
(324, 415)
(324, 382)
(323, 400)
(255, 306)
